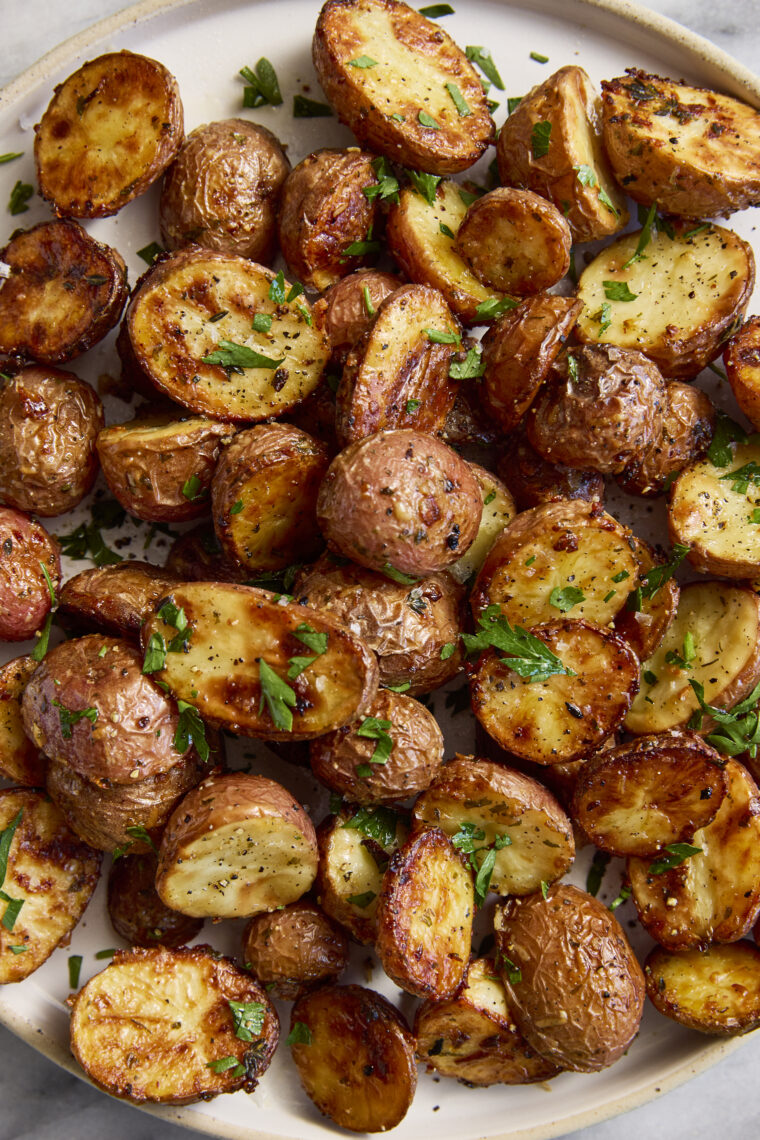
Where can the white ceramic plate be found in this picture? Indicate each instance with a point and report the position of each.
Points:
(204, 43)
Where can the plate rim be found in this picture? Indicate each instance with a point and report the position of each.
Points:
(740, 79)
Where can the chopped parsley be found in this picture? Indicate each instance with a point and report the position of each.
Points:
(470, 368)
(13, 905)
(564, 598)
(538, 57)
(193, 490)
(464, 840)
(398, 575)
(362, 62)
(227, 1064)
(369, 308)
(75, 968)
(386, 188)
(448, 650)
(360, 249)
(528, 656)
(300, 1034)
(618, 291)
(239, 356)
(596, 872)
(248, 1018)
(458, 100)
(494, 307)
(446, 230)
(262, 87)
(377, 730)
(362, 901)
(644, 237)
(304, 108)
(655, 579)
(539, 138)
(69, 717)
(483, 59)
(412, 406)
(20, 195)
(737, 730)
(87, 538)
(262, 322)
(435, 11)
(277, 695)
(149, 253)
(436, 336)
(677, 853)
(379, 823)
(9, 157)
(191, 730)
(727, 431)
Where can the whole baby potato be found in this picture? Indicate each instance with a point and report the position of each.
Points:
(27, 554)
(347, 308)
(135, 910)
(401, 502)
(294, 949)
(534, 480)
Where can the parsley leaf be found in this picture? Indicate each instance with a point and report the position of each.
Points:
(738, 729)
(248, 1018)
(458, 100)
(149, 253)
(426, 120)
(483, 59)
(677, 853)
(425, 184)
(529, 656)
(470, 368)
(306, 634)
(618, 291)
(69, 717)
(191, 730)
(494, 307)
(644, 237)
(566, 597)
(363, 900)
(304, 108)
(656, 578)
(227, 1064)
(398, 575)
(378, 823)
(263, 87)
(596, 872)
(386, 188)
(435, 11)
(20, 195)
(539, 138)
(374, 729)
(9, 157)
(436, 336)
(278, 696)
(232, 355)
(300, 1034)
(727, 431)
(193, 491)
(363, 62)
(87, 538)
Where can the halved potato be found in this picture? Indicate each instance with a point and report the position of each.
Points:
(191, 326)
(679, 301)
(294, 949)
(534, 480)
(643, 621)
(715, 990)
(136, 912)
(424, 917)
(30, 573)
(165, 1026)
(117, 598)
(498, 512)
(742, 361)
(688, 424)
(345, 311)
(718, 623)
(237, 845)
(713, 894)
(197, 556)
(355, 1057)
(408, 101)
(505, 811)
(20, 759)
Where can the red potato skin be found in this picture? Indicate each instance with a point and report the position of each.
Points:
(25, 547)
(341, 311)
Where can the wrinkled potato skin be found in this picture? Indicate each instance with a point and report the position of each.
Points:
(294, 949)
(607, 417)
(742, 361)
(688, 423)
(581, 997)
(197, 556)
(533, 480)
(135, 910)
(116, 598)
(223, 188)
(407, 642)
(20, 761)
(415, 758)
(519, 351)
(322, 212)
(25, 547)
(341, 311)
(49, 420)
(426, 523)
(468, 424)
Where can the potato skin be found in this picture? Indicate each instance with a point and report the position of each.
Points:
(342, 309)
(135, 910)
(197, 556)
(292, 950)
(116, 598)
(223, 188)
(25, 548)
(20, 760)
(49, 420)
(580, 999)
(742, 361)
(534, 480)
(688, 423)
(645, 628)
(400, 499)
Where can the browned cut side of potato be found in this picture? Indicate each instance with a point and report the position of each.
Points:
(710, 891)
(355, 1057)
(20, 759)
(424, 917)
(222, 190)
(135, 910)
(294, 949)
(637, 798)
(498, 512)
(573, 983)
(49, 880)
(552, 144)
(397, 375)
(713, 641)
(564, 717)
(472, 1036)
(30, 572)
(239, 646)
(116, 598)
(264, 497)
(677, 304)
(693, 151)
(501, 810)
(197, 556)
(688, 424)
(159, 466)
(65, 291)
(742, 361)
(49, 420)
(533, 480)
(345, 311)
(564, 557)
(192, 323)
(160, 1025)
(518, 352)
(409, 104)
(715, 990)
(109, 132)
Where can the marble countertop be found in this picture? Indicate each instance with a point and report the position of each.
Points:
(41, 1101)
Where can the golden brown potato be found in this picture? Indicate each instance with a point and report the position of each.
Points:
(49, 420)
(109, 132)
(424, 917)
(355, 1057)
(294, 949)
(197, 556)
(264, 497)
(316, 414)
(116, 598)
(395, 751)
(646, 617)
(397, 374)
(65, 291)
(691, 150)
(222, 190)
(468, 424)
(346, 309)
(715, 990)
(498, 512)
(533, 480)
(49, 880)
(135, 910)
(573, 984)
(237, 845)
(161, 1025)
(518, 352)
(401, 502)
(742, 360)
(602, 409)
(688, 424)
(30, 571)
(552, 144)
(20, 759)
(409, 104)
(194, 321)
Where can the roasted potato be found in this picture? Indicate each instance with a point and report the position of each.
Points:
(688, 424)
(552, 144)
(648, 614)
(409, 104)
(20, 759)
(715, 990)
(316, 414)
(677, 304)
(294, 949)
(65, 291)
(533, 480)
(116, 598)
(237, 845)
(223, 188)
(190, 324)
(574, 986)
(468, 425)
(161, 1025)
(602, 409)
(742, 361)
(135, 910)
(197, 556)
(49, 420)
(30, 571)
(346, 309)
(355, 1057)
(498, 512)
(264, 497)
(401, 502)
(696, 151)
(109, 132)
(394, 752)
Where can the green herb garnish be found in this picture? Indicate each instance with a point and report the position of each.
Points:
(69, 717)
(193, 490)
(596, 872)
(566, 597)
(262, 87)
(386, 188)
(20, 195)
(538, 57)
(528, 656)
(618, 291)
(374, 729)
(458, 99)
(644, 237)
(435, 11)
(278, 697)
(378, 823)
(483, 59)
(227, 1064)
(677, 853)
(300, 1034)
(493, 307)
(363, 900)
(435, 336)
(248, 1018)
(362, 62)
(470, 368)
(304, 108)
(191, 730)
(539, 138)
(149, 253)
(239, 356)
